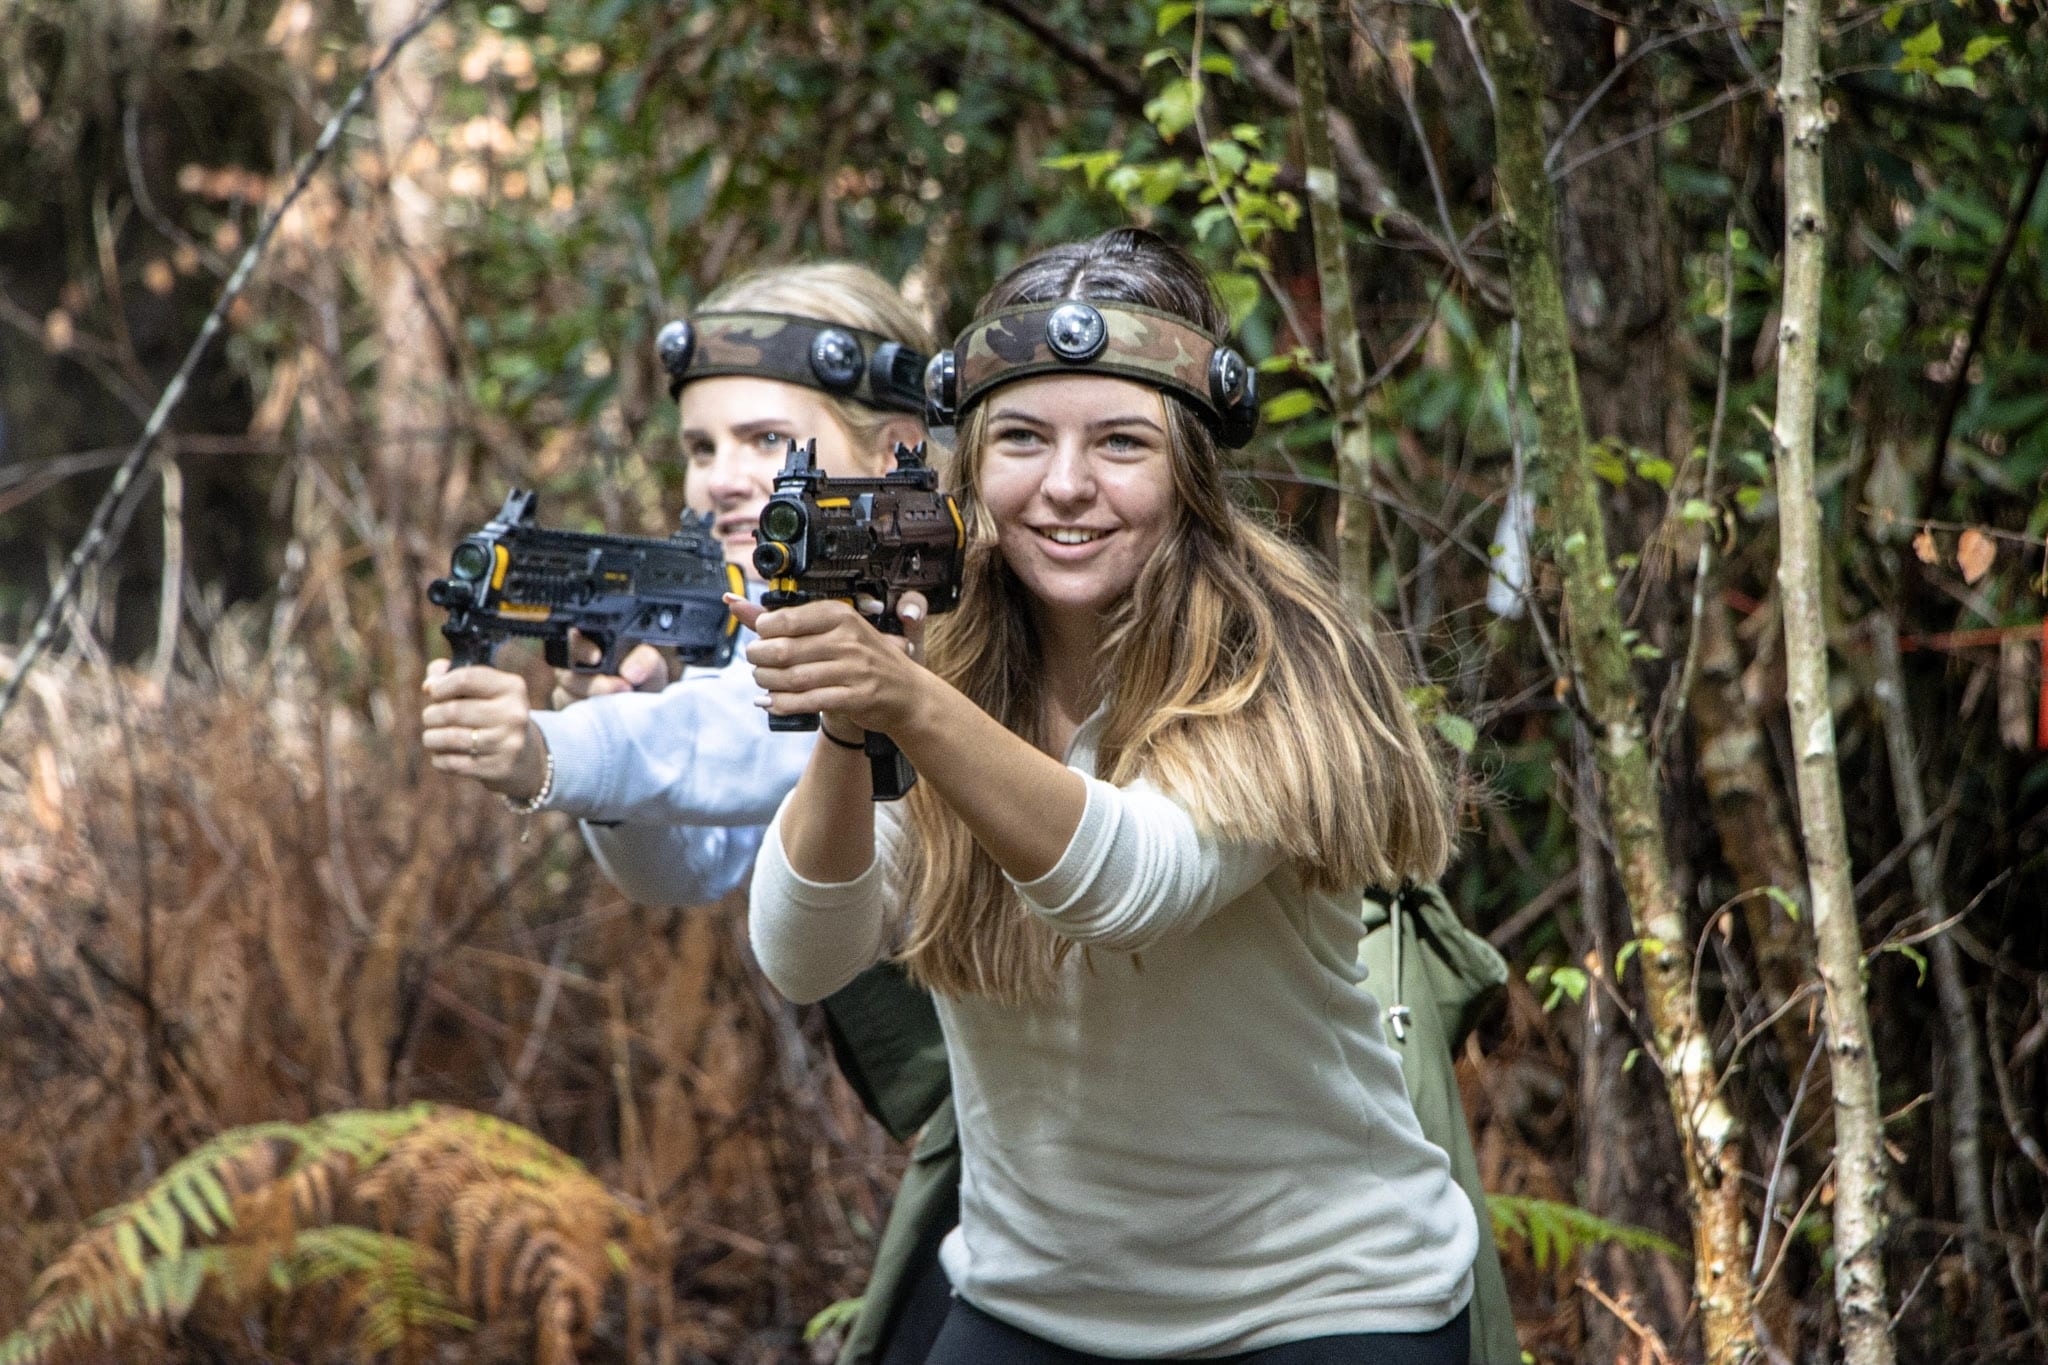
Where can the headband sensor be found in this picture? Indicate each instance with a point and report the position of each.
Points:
(845, 362)
(1126, 340)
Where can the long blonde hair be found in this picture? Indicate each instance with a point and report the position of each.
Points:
(1232, 677)
(832, 291)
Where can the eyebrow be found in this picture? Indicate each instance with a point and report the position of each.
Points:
(743, 430)
(1103, 424)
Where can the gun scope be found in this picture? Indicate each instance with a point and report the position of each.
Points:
(782, 539)
(471, 561)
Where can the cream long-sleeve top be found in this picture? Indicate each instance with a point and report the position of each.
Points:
(1201, 1144)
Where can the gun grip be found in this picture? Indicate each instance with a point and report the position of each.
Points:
(468, 646)
(889, 771)
(803, 721)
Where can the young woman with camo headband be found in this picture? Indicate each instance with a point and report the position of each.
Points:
(673, 781)
(1159, 763)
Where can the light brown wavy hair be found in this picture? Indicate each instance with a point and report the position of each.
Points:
(1233, 678)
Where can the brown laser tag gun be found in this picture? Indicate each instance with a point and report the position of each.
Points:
(516, 578)
(822, 538)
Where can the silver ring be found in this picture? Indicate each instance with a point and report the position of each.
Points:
(472, 742)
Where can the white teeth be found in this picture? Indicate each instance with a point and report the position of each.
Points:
(1070, 536)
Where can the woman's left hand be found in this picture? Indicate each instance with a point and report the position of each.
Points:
(827, 657)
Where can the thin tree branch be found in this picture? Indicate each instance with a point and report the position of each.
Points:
(1980, 318)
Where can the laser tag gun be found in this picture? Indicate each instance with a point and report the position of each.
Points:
(822, 538)
(516, 578)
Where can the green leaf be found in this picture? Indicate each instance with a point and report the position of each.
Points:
(1170, 17)
(1656, 471)
(1957, 78)
(1424, 51)
(1982, 46)
(1260, 173)
(1288, 406)
(1157, 182)
(1562, 980)
(1783, 899)
(1220, 64)
(1925, 43)
(1696, 511)
(1092, 165)
(842, 1313)
(1207, 219)
(1549, 1226)
(1229, 156)
(1458, 732)
(1240, 295)
(1173, 109)
(1892, 15)
(1575, 542)
(128, 1242)
(1628, 1063)
(1748, 499)
(1913, 955)
(1250, 134)
(1156, 56)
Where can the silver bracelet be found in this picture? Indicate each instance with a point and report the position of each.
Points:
(533, 803)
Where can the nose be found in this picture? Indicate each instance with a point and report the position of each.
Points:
(730, 479)
(1069, 477)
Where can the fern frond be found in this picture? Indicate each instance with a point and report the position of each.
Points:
(161, 1295)
(410, 1224)
(1557, 1229)
(394, 1283)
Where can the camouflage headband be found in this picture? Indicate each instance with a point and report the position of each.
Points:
(1122, 339)
(846, 362)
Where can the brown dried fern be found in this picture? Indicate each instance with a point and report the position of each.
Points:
(372, 1227)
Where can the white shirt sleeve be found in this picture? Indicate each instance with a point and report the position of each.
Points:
(1138, 870)
(673, 787)
(699, 752)
(810, 937)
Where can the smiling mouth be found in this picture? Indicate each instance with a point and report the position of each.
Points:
(1069, 535)
(736, 527)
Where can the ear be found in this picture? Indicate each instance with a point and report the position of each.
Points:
(897, 431)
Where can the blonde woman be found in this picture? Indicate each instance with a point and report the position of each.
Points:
(674, 780)
(1160, 762)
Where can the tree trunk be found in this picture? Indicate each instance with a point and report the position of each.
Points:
(1958, 1015)
(1859, 1136)
(1707, 1129)
(1340, 325)
(413, 408)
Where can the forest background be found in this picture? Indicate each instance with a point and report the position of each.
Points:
(504, 1114)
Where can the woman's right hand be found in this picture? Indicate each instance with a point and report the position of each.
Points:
(476, 724)
(642, 670)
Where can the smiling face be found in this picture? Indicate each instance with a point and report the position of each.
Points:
(735, 437)
(1076, 473)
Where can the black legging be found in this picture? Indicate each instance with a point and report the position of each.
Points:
(972, 1337)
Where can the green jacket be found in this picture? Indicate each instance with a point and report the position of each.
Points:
(887, 1038)
(1435, 978)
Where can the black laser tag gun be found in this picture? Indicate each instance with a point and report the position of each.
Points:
(824, 538)
(516, 578)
